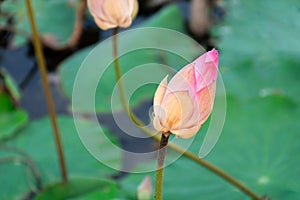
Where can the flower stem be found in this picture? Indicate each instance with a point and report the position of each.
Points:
(118, 71)
(160, 165)
(180, 150)
(217, 171)
(49, 100)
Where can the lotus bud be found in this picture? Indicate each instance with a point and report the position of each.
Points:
(113, 13)
(144, 191)
(184, 104)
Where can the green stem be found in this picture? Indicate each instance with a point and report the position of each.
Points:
(160, 165)
(49, 100)
(180, 150)
(118, 71)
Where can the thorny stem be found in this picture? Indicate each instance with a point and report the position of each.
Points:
(160, 165)
(49, 100)
(180, 150)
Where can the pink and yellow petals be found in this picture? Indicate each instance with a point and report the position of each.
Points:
(183, 105)
(184, 79)
(110, 14)
(186, 132)
(160, 92)
(208, 74)
(205, 99)
(178, 107)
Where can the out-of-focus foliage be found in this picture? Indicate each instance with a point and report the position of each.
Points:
(83, 189)
(55, 19)
(36, 140)
(11, 118)
(260, 48)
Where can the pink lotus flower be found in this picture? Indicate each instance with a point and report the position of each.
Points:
(113, 13)
(183, 105)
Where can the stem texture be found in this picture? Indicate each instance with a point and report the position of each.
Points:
(160, 165)
(47, 91)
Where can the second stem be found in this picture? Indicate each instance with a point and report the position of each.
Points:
(160, 165)
(48, 95)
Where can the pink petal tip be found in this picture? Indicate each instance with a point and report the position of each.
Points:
(213, 55)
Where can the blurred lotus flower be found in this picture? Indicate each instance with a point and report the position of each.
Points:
(144, 191)
(113, 13)
(183, 105)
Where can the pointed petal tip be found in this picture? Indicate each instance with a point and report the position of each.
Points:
(213, 55)
(164, 82)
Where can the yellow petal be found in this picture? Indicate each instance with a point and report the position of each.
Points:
(157, 123)
(159, 94)
(104, 25)
(118, 12)
(186, 133)
(178, 108)
(135, 8)
(113, 13)
(125, 22)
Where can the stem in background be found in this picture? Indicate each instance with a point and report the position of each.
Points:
(29, 164)
(77, 30)
(118, 71)
(217, 171)
(49, 100)
(78, 27)
(25, 159)
(180, 150)
(160, 165)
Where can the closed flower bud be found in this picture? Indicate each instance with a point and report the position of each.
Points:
(113, 13)
(183, 105)
(144, 191)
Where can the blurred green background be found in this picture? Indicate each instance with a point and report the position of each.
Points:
(259, 48)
